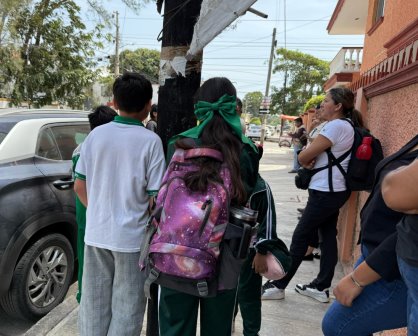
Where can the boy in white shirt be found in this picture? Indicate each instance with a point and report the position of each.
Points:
(120, 168)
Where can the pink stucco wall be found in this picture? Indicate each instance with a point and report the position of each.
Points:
(393, 117)
(397, 15)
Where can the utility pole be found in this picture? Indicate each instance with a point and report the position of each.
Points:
(263, 118)
(117, 46)
(284, 60)
(175, 95)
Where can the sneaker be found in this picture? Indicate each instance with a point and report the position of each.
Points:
(293, 171)
(271, 292)
(311, 291)
(308, 257)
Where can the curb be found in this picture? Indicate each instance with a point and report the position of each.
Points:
(56, 316)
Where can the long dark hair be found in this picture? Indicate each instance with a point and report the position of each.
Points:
(217, 135)
(345, 97)
(154, 110)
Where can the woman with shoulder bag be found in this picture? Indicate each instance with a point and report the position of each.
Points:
(327, 194)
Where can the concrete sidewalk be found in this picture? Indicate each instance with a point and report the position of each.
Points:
(296, 315)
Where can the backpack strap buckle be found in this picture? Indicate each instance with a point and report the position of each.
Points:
(202, 288)
(153, 275)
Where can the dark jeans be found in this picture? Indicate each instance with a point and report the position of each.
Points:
(321, 213)
(410, 276)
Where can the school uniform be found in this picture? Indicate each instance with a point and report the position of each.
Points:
(123, 165)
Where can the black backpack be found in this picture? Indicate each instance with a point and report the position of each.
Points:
(360, 174)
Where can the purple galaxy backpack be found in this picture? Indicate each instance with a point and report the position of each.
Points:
(182, 244)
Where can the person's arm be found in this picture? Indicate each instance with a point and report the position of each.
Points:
(399, 189)
(351, 286)
(307, 156)
(81, 191)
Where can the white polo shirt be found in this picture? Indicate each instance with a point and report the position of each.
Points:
(341, 135)
(123, 164)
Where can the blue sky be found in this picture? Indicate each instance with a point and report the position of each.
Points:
(241, 52)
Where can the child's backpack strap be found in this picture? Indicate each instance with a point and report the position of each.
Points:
(203, 151)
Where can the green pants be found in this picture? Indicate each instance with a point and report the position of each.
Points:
(178, 313)
(249, 297)
(81, 230)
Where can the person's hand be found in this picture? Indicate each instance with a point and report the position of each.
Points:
(260, 263)
(310, 165)
(346, 291)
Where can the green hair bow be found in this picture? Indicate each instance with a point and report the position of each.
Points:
(204, 111)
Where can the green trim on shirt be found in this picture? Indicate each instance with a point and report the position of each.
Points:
(152, 192)
(80, 176)
(128, 121)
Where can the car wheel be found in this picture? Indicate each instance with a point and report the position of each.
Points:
(41, 278)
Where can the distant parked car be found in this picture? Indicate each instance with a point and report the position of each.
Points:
(254, 132)
(37, 208)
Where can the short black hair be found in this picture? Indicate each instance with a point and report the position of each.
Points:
(131, 92)
(101, 115)
(318, 106)
(299, 120)
(239, 102)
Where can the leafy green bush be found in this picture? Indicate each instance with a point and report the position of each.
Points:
(255, 121)
(313, 101)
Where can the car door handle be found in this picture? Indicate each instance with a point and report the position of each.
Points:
(63, 184)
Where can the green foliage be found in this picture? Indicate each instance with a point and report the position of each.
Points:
(255, 121)
(306, 76)
(273, 120)
(100, 9)
(313, 101)
(108, 83)
(53, 60)
(142, 60)
(252, 101)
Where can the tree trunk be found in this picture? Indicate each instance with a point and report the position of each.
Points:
(175, 98)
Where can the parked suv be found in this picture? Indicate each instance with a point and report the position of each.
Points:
(38, 230)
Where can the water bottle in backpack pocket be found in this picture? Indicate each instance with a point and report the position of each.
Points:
(184, 241)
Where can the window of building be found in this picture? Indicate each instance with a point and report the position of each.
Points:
(379, 10)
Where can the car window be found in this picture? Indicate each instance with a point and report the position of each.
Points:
(5, 128)
(68, 137)
(46, 147)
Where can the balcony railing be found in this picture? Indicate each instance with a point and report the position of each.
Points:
(348, 59)
(404, 57)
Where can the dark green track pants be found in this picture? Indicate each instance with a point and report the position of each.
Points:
(249, 297)
(178, 313)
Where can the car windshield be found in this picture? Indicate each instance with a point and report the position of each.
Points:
(5, 128)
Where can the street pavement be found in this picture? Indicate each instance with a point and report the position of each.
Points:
(296, 315)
